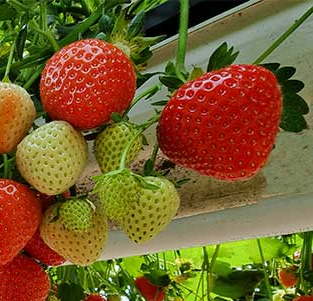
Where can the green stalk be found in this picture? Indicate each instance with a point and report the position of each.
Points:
(306, 260)
(141, 129)
(284, 36)
(47, 34)
(18, 4)
(205, 268)
(6, 78)
(182, 40)
(33, 77)
(143, 95)
(6, 163)
(43, 16)
(265, 272)
(211, 270)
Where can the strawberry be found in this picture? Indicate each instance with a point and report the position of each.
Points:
(148, 290)
(76, 214)
(224, 123)
(20, 214)
(37, 248)
(152, 210)
(287, 276)
(79, 248)
(95, 297)
(85, 82)
(23, 279)
(111, 142)
(17, 113)
(304, 298)
(115, 192)
(52, 157)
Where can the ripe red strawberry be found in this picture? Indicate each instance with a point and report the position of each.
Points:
(20, 214)
(95, 297)
(23, 280)
(304, 298)
(17, 113)
(37, 248)
(85, 82)
(224, 123)
(287, 276)
(148, 290)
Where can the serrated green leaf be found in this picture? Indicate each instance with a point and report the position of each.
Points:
(222, 57)
(171, 82)
(142, 57)
(70, 292)
(7, 12)
(285, 73)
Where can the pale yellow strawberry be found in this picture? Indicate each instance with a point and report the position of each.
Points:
(78, 248)
(17, 113)
(52, 157)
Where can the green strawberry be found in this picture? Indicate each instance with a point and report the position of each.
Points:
(152, 211)
(52, 157)
(76, 214)
(111, 142)
(115, 192)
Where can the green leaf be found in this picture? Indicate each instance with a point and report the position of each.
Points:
(148, 168)
(160, 103)
(285, 73)
(294, 106)
(7, 12)
(20, 41)
(293, 85)
(106, 24)
(237, 284)
(116, 117)
(142, 57)
(132, 265)
(171, 82)
(108, 4)
(222, 57)
(142, 78)
(196, 72)
(70, 292)
(136, 25)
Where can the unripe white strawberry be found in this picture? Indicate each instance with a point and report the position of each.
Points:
(52, 157)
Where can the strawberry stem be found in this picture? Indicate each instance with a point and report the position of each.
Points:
(284, 36)
(265, 272)
(6, 78)
(33, 77)
(47, 34)
(6, 164)
(151, 91)
(141, 129)
(211, 270)
(182, 38)
(306, 260)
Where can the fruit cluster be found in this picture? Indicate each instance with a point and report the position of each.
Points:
(222, 124)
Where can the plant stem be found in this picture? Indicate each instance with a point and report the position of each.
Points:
(6, 78)
(306, 260)
(141, 129)
(266, 278)
(151, 90)
(182, 40)
(18, 4)
(33, 77)
(6, 163)
(205, 268)
(47, 34)
(284, 36)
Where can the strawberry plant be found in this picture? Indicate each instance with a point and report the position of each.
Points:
(70, 70)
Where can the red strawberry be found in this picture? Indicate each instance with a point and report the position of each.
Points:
(20, 214)
(95, 297)
(85, 82)
(288, 277)
(224, 123)
(23, 280)
(37, 248)
(148, 290)
(304, 298)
